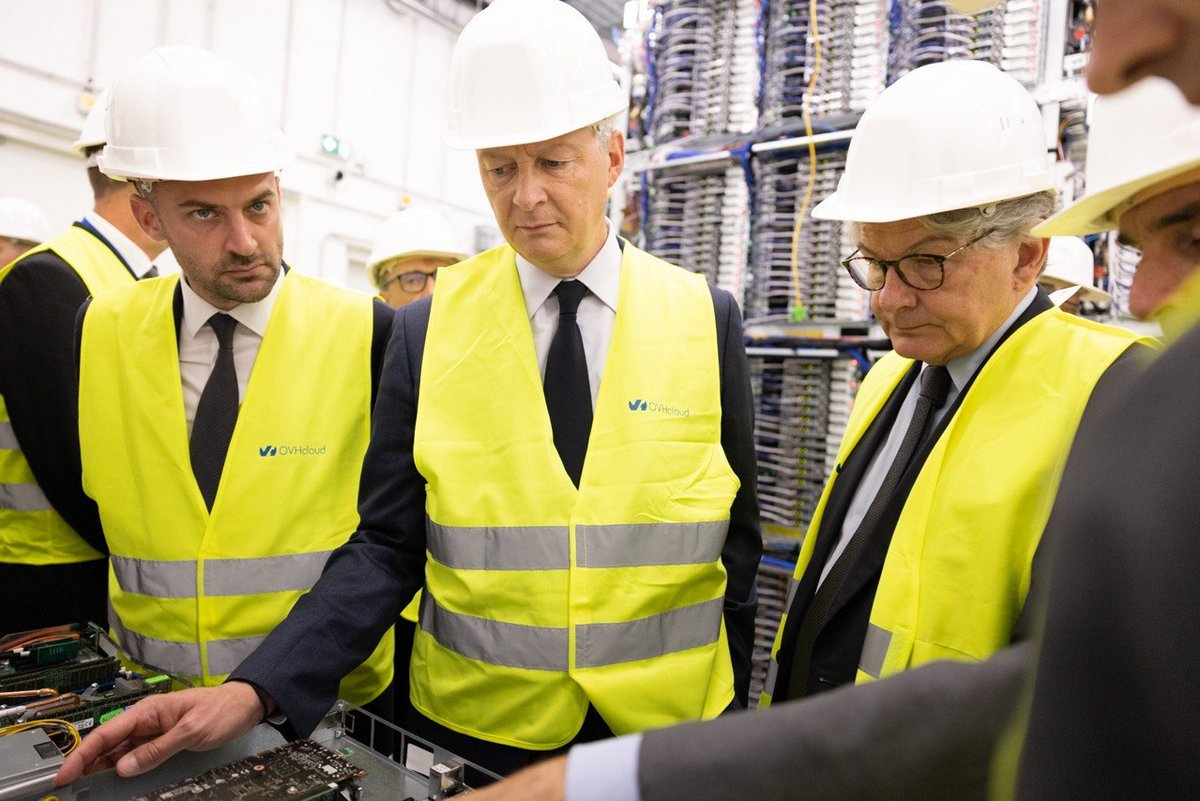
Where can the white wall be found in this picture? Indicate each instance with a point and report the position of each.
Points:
(358, 69)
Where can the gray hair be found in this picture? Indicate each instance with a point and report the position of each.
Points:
(1010, 220)
(604, 129)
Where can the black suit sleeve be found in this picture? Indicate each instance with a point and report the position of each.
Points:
(922, 735)
(366, 582)
(383, 316)
(38, 302)
(743, 544)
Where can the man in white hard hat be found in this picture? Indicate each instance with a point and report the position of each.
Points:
(999, 376)
(53, 535)
(1112, 712)
(413, 244)
(1069, 274)
(224, 413)
(947, 563)
(23, 225)
(592, 533)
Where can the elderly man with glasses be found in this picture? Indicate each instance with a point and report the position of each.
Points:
(922, 547)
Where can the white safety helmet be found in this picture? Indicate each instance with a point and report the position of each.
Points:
(1138, 141)
(526, 71)
(23, 220)
(414, 233)
(181, 113)
(1071, 268)
(92, 134)
(946, 136)
(973, 6)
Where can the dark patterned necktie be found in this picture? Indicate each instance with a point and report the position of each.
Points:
(568, 395)
(935, 386)
(216, 414)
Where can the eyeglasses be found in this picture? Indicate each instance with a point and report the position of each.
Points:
(411, 282)
(921, 271)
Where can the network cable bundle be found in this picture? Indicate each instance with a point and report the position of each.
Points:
(838, 48)
(65, 674)
(698, 221)
(796, 260)
(802, 406)
(702, 68)
(927, 31)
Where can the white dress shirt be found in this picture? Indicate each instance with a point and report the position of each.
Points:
(597, 311)
(961, 369)
(139, 263)
(198, 342)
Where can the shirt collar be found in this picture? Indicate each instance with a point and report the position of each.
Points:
(963, 367)
(133, 255)
(602, 276)
(255, 316)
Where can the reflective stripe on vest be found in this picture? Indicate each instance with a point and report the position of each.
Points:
(8, 438)
(609, 594)
(288, 494)
(183, 657)
(986, 495)
(31, 532)
(177, 579)
(23, 498)
(548, 547)
(596, 644)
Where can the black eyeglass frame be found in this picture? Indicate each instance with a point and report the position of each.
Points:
(425, 278)
(894, 265)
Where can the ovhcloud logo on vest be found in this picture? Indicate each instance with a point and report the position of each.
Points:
(267, 450)
(638, 405)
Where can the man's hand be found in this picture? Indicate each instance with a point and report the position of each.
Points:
(544, 781)
(145, 735)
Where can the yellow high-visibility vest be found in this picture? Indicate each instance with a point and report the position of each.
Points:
(540, 597)
(194, 592)
(31, 532)
(958, 567)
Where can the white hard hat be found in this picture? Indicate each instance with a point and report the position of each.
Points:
(525, 71)
(973, 6)
(92, 134)
(181, 113)
(21, 219)
(946, 136)
(1138, 139)
(415, 233)
(1071, 264)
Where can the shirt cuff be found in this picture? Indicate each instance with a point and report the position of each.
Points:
(604, 771)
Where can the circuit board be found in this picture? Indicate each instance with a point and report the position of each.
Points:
(96, 704)
(61, 658)
(300, 770)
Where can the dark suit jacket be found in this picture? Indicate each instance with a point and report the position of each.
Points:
(1118, 688)
(839, 645)
(367, 581)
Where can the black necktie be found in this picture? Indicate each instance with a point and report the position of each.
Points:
(568, 395)
(935, 386)
(216, 414)
(151, 273)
